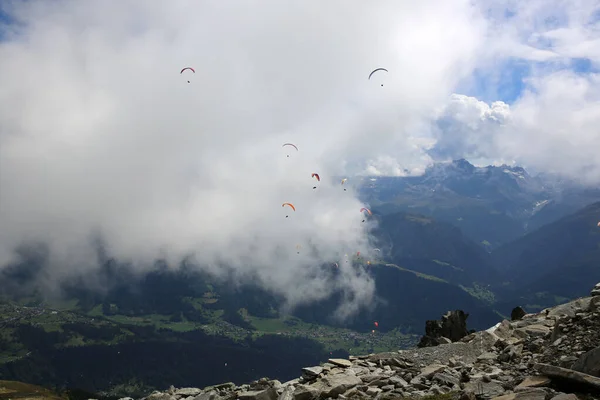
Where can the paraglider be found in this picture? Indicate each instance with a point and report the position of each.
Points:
(315, 175)
(375, 70)
(289, 205)
(290, 144)
(298, 247)
(344, 181)
(186, 68)
(377, 324)
(367, 210)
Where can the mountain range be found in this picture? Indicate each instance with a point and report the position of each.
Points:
(491, 205)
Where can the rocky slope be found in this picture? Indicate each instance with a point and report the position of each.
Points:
(553, 354)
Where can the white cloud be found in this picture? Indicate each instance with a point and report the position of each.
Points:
(551, 128)
(98, 131)
(552, 125)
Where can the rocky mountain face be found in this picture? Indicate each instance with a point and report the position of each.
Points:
(491, 205)
(553, 354)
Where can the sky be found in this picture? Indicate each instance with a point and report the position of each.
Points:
(100, 133)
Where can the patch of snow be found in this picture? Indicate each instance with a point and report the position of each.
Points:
(493, 328)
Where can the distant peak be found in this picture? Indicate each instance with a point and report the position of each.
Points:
(463, 164)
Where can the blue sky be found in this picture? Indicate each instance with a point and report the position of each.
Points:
(4, 20)
(507, 81)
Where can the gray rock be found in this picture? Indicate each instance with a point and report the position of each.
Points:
(484, 389)
(338, 384)
(537, 330)
(373, 391)
(532, 394)
(570, 308)
(340, 362)
(517, 313)
(575, 377)
(398, 382)
(159, 396)
(445, 379)
(452, 327)
(287, 393)
(306, 392)
(311, 372)
(187, 392)
(534, 381)
(210, 395)
(431, 370)
(565, 396)
(225, 386)
(267, 394)
(488, 356)
(589, 363)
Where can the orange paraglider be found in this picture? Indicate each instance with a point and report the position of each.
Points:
(289, 205)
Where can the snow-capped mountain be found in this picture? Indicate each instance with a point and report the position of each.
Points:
(492, 204)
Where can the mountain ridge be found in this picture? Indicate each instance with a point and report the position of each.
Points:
(493, 205)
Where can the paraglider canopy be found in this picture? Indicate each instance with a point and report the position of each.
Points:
(375, 70)
(290, 144)
(289, 205)
(186, 68)
(367, 210)
(315, 175)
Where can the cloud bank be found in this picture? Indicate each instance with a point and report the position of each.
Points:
(99, 132)
(552, 50)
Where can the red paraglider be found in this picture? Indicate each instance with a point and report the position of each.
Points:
(190, 68)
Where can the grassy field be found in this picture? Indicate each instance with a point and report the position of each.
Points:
(334, 338)
(23, 391)
(73, 326)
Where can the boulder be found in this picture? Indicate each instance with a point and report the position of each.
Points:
(517, 313)
(534, 381)
(575, 378)
(340, 362)
(589, 363)
(267, 394)
(185, 392)
(452, 326)
(331, 386)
